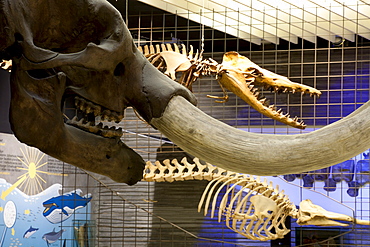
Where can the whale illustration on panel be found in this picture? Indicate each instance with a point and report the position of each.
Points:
(30, 232)
(60, 208)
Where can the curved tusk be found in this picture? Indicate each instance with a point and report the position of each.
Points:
(263, 154)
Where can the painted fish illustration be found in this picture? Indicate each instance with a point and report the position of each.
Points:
(53, 236)
(60, 208)
(30, 232)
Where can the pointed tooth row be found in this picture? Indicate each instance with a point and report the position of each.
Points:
(96, 129)
(284, 117)
(278, 89)
(266, 103)
(287, 116)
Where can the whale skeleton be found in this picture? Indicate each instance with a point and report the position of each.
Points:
(253, 208)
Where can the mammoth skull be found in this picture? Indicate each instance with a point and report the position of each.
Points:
(83, 48)
(91, 55)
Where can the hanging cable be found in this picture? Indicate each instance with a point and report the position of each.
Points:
(202, 30)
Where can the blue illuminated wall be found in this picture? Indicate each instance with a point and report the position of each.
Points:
(342, 74)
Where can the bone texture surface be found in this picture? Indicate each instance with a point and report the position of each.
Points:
(253, 208)
(6, 65)
(264, 154)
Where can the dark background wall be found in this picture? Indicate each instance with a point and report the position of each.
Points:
(4, 101)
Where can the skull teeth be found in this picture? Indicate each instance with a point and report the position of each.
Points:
(285, 116)
(91, 108)
(263, 101)
(88, 107)
(100, 129)
(281, 89)
(266, 103)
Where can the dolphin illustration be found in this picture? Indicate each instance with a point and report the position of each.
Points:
(53, 236)
(60, 208)
(30, 232)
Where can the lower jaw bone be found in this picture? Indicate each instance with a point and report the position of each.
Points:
(263, 154)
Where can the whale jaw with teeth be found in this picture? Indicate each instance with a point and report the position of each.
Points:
(88, 123)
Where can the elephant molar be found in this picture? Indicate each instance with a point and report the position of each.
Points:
(87, 106)
(105, 114)
(111, 132)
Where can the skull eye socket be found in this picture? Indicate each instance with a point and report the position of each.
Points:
(18, 37)
(119, 70)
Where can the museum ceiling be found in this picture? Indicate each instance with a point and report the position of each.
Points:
(272, 21)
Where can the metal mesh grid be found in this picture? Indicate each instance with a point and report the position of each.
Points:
(150, 214)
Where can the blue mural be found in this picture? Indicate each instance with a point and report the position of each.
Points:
(25, 224)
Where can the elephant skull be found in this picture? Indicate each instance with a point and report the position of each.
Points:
(91, 55)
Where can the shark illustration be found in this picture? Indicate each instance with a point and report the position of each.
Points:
(60, 208)
(30, 232)
(53, 236)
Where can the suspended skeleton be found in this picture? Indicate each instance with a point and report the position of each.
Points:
(251, 207)
(236, 73)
